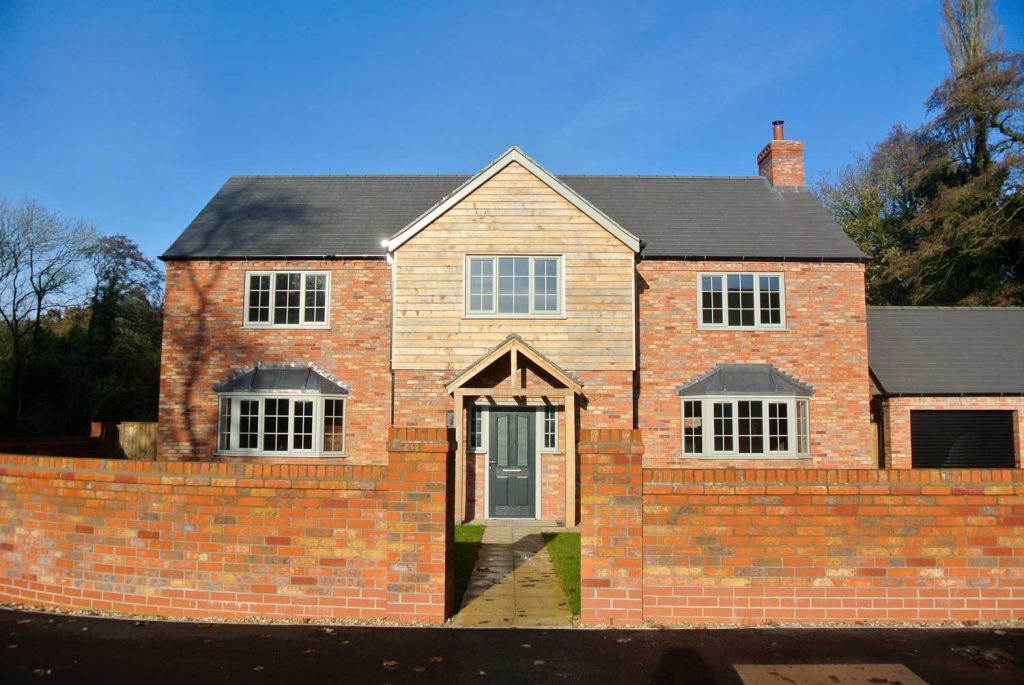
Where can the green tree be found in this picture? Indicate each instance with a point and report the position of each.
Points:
(939, 209)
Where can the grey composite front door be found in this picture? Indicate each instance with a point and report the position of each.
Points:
(512, 477)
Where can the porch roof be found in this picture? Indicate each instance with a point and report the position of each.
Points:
(514, 342)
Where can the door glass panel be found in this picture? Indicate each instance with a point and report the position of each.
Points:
(522, 436)
(502, 428)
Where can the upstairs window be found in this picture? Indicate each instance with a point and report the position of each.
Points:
(741, 300)
(513, 286)
(287, 298)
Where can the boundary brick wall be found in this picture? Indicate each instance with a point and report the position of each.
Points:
(611, 527)
(896, 418)
(228, 540)
(759, 546)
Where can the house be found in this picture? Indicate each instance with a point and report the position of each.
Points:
(723, 316)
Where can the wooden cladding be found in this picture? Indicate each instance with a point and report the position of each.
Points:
(514, 213)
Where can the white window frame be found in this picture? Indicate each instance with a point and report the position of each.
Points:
(326, 323)
(292, 397)
(493, 313)
(758, 326)
(481, 412)
(541, 415)
(707, 427)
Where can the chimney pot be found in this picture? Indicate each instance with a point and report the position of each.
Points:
(779, 130)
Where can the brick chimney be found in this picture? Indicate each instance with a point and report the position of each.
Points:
(782, 161)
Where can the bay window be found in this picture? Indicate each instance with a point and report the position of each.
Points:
(745, 426)
(281, 409)
(281, 424)
(745, 410)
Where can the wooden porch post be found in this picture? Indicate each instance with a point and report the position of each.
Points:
(570, 458)
(460, 457)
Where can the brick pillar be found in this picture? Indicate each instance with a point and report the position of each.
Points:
(420, 524)
(611, 527)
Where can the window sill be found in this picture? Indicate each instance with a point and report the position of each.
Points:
(744, 457)
(518, 317)
(278, 456)
(280, 459)
(732, 329)
(287, 326)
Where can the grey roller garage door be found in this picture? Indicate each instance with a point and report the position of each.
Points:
(961, 439)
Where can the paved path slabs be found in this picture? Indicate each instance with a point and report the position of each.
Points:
(514, 584)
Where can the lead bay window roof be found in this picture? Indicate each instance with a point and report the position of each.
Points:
(761, 380)
(271, 377)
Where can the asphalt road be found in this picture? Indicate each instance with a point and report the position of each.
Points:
(47, 649)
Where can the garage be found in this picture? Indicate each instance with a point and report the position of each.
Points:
(961, 439)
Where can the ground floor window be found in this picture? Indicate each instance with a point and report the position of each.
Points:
(550, 428)
(281, 424)
(745, 427)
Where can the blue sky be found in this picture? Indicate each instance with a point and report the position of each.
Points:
(131, 115)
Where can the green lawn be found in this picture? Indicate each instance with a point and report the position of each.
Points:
(467, 546)
(564, 549)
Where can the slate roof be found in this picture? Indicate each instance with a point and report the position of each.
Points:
(270, 377)
(947, 350)
(676, 216)
(745, 379)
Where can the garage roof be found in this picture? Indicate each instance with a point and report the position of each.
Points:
(947, 350)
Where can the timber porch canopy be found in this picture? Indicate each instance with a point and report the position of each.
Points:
(515, 371)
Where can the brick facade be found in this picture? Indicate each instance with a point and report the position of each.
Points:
(824, 345)
(896, 421)
(229, 540)
(204, 339)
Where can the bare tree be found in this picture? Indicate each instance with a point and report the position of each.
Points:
(42, 257)
(969, 31)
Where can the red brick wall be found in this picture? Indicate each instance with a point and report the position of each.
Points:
(611, 527)
(782, 162)
(825, 346)
(896, 417)
(752, 547)
(229, 540)
(204, 340)
(421, 535)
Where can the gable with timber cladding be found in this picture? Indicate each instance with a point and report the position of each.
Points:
(514, 213)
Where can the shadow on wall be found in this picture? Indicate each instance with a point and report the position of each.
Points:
(189, 331)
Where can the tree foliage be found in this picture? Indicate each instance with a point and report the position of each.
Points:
(940, 208)
(81, 324)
